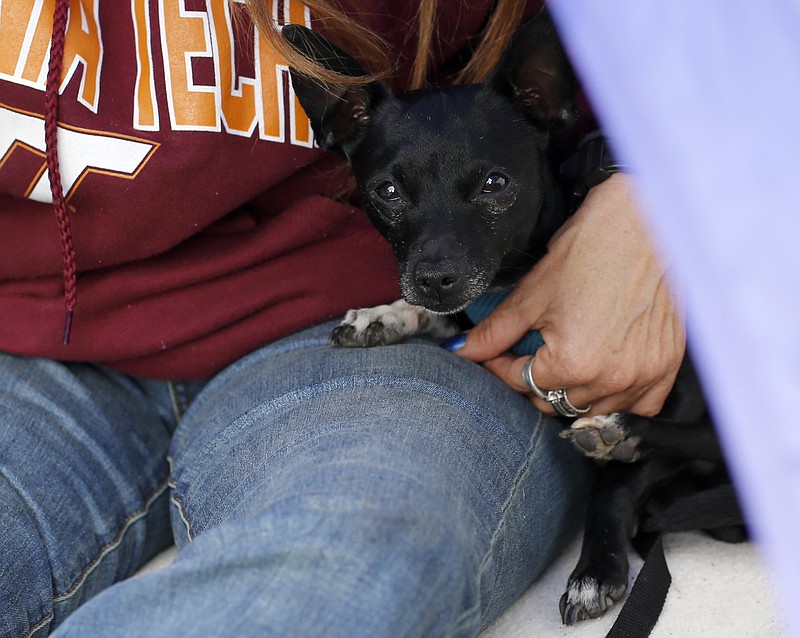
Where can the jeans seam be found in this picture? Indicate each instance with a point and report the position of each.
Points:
(178, 503)
(177, 395)
(532, 448)
(39, 624)
(113, 544)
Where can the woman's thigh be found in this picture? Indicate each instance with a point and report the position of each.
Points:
(83, 475)
(396, 491)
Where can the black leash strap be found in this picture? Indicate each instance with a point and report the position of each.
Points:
(646, 599)
(708, 509)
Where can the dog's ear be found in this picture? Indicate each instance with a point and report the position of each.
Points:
(536, 75)
(336, 112)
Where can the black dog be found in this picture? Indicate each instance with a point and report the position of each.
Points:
(459, 182)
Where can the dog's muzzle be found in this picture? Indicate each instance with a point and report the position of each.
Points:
(439, 287)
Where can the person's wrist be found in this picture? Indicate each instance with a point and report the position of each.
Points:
(610, 201)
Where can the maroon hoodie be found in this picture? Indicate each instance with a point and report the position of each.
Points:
(196, 223)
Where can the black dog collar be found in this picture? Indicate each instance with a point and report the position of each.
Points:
(592, 164)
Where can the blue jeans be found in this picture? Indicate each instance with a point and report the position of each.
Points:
(312, 491)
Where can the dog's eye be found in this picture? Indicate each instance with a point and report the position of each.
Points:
(387, 191)
(494, 183)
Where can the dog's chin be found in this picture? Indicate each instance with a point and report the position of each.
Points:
(448, 305)
(442, 308)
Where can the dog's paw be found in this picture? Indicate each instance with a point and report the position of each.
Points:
(603, 437)
(587, 597)
(388, 324)
(369, 327)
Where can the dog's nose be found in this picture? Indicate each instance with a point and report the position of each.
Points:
(436, 279)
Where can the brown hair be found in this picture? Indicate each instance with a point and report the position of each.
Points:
(374, 53)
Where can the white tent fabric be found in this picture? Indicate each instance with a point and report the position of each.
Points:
(702, 99)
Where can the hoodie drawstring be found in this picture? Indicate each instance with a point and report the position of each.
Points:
(51, 145)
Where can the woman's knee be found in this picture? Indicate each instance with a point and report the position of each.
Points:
(332, 419)
(402, 470)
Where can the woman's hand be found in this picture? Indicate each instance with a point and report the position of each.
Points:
(613, 337)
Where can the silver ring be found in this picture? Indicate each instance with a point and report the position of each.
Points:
(527, 377)
(565, 407)
(557, 398)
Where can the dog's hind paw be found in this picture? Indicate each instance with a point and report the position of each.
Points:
(588, 597)
(603, 437)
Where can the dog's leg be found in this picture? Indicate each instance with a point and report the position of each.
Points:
(601, 575)
(628, 438)
(384, 325)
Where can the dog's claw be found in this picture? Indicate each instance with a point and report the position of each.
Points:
(603, 437)
(343, 335)
(375, 334)
(348, 336)
(571, 613)
(587, 598)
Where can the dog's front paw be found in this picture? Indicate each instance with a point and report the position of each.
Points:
(588, 597)
(369, 327)
(388, 324)
(366, 328)
(603, 437)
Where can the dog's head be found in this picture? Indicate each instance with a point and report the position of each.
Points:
(456, 179)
